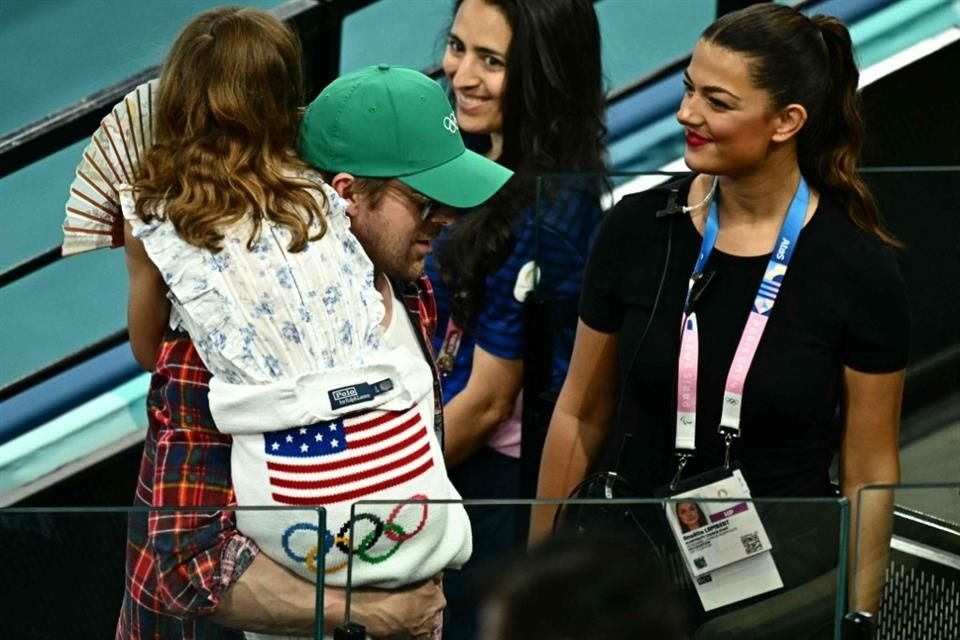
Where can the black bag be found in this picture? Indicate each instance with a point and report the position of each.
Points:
(644, 522)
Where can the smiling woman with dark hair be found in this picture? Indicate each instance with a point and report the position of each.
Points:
(773, 136)
(527, 83)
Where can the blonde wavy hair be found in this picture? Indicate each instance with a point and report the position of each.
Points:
(226, 118)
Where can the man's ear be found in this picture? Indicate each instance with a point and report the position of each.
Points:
(788, 122)
(342, 183)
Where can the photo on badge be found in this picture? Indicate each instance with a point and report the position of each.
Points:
(690, 516)
(713, 533)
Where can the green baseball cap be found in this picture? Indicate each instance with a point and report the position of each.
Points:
(393, 122)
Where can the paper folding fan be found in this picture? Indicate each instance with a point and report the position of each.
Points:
(111, 160)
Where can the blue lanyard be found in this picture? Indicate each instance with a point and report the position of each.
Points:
(782, 251)
(764, 300)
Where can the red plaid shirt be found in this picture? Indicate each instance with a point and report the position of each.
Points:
(180, 562)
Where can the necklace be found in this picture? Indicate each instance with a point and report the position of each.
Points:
(706, 199)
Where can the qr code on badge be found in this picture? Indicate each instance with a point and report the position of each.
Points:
(751, 543)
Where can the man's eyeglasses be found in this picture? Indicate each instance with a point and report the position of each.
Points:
(428, 206)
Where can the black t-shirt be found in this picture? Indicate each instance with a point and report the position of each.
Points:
(842, 303)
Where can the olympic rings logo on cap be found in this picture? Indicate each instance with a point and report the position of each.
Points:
(376, 530)
(450, 123)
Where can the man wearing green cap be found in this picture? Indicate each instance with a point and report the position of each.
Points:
(387, 137)
(386, 140)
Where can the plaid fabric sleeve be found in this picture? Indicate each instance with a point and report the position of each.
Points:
(194, 540)
(420, 301)
(421, 306)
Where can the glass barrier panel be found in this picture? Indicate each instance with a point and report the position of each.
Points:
(74, 572)
(612, 568)
(906, 553)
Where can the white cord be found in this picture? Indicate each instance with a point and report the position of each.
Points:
(706, 199)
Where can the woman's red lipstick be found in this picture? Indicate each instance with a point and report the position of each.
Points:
(694, 140)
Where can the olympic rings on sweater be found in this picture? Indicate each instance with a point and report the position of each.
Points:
(378, 530)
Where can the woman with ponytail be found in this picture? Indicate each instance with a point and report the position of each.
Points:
(773, 134)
